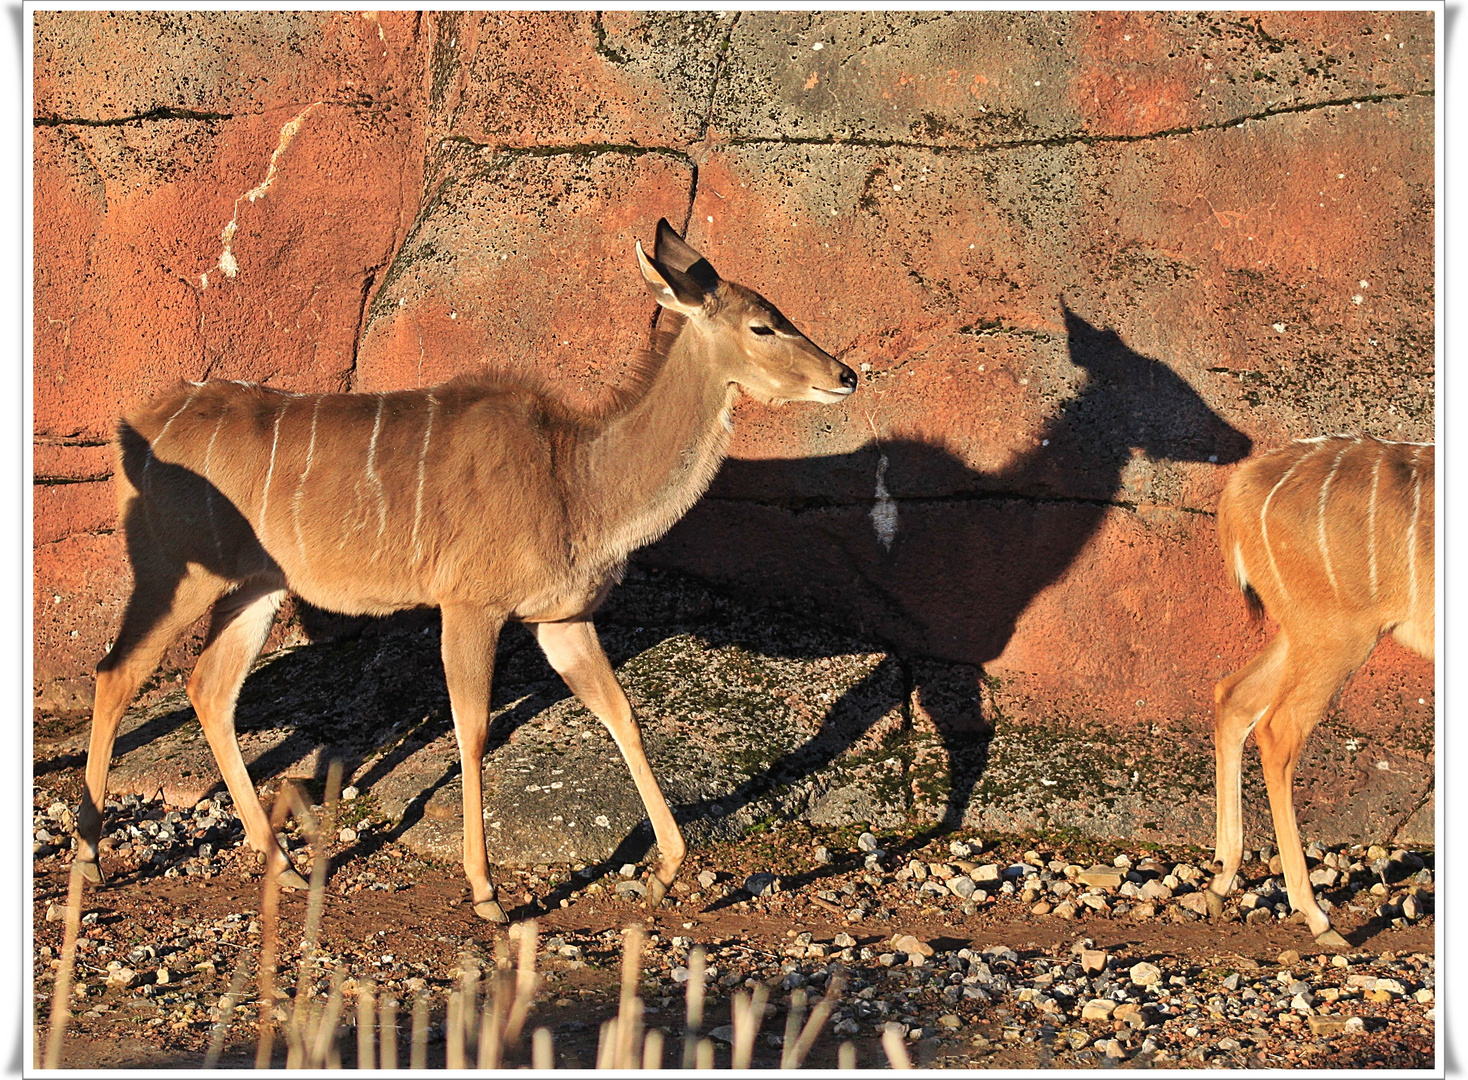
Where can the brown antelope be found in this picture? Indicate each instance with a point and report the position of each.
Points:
(1334, 537)
(485, 497)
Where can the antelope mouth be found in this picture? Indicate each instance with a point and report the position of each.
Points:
(830, 396)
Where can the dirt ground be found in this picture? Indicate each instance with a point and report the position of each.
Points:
(405, 922)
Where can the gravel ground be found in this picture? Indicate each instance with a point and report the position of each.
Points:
(988, 951)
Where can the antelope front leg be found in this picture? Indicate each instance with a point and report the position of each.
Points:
(574, 650)
(469, 637)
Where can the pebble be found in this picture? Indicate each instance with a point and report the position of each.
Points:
(707, 878)
(909, 944)
(1098, 1009)
(349, 793)
(761, 884)
(347, 835)
(1144, 974)
(866, 842)
(1106, 877)
(1093, 961)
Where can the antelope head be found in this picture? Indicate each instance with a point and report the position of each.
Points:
(761, 350)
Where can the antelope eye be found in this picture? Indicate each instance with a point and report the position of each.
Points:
(762, 331)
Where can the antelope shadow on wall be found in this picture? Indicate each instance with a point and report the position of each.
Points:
(968, 550)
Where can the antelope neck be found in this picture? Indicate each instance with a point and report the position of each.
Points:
(650, 462)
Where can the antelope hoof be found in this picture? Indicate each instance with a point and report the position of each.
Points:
(1332, 940)
(1214, 902)
(656, 891)
(490, 911)
(90, 870)
(290, 879)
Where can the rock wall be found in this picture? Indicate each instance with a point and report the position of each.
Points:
(1083, 261)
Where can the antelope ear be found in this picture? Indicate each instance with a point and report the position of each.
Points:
(672, 288)
(670, 249)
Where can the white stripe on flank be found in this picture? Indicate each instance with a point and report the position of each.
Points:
(1264, 510)
(209, 485)
(1412, 536)
(1371, 515)
(301, 485)
(422, 463)
(270, 472)
(372, 476)
(148, 461)
(1320, 519)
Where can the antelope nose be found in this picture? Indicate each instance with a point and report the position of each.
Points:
(848, 378)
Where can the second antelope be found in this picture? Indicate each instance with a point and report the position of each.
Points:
(1334, 537)
(485, 497)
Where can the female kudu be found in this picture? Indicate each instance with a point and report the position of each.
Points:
(1334, 537)
(485, 497)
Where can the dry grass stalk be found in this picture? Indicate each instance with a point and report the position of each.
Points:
(418, 1047)
(606, 1048)
(895, 1047)
(629, 1013)
(526, 980)
(694, 996)
(542, 1051)
(652, 1049)
(61, 988)
(269, 942)
(322, 1033)
(469, 1001)
(749, 1014)
(226, 1009)
(846, 1056)
(704, 1058)
(813, 1026)
(387, 1024)
(492, 1020)
(454, 1031)
(366, 1006)
(792, 1028)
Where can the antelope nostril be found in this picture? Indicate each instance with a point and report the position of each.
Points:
(848, 378)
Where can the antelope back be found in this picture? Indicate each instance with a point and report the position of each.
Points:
(366, 503)
(1336, 531)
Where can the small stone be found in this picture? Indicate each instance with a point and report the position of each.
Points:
(1130, 1012)
(960, 849)
(1288, 958)
(707, 878)
(844, 940)
(1155, 890)
(1093, 961)
(1142, 912)
(1232, 982)
(629, 870)
(989, 872)
(347, 835)
(1390, 986)
(909, 944)
(1301, 1003)
(164, 976)
(823, 856)
(1064, 910)
(630, 888)
(1145, 974)
(1327, 1025)
(1106, 877)
(866, 842)
(962, 886)
(725, 1033)
(55, 912)
(121, 976)
(761, 884)
(948, 1020)
(1041, 908)
(349, 793)
(1098, 1009)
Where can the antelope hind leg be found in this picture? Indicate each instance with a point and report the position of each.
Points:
(574, 650)
(1240, 702)
(237, 632)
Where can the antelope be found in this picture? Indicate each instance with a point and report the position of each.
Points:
(486, 497)
(1332, 536)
